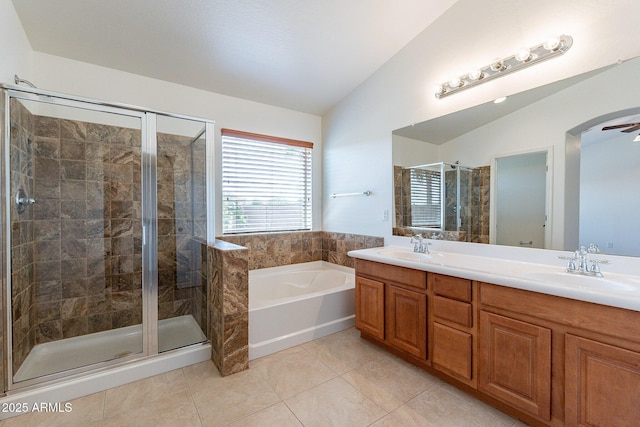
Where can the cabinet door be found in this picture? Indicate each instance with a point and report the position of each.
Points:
(602, 384)
(452, 351)
(407, 321)
(370, 307)
(515, 363)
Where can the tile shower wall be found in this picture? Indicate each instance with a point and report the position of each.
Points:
(23, 291)
(275, 249)
(480, 204)
(88, 247)
(76, 254)
(181, 227)
(451, 200)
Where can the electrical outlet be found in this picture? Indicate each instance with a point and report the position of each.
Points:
(385, 215)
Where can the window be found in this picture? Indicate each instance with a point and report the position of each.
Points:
(266, 183)
(426, 201)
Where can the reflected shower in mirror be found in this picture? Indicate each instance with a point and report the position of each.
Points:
(550, 118)
(441, 201)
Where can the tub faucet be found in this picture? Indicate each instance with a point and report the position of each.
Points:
(419, 245)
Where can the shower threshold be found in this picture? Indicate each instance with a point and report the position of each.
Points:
(69, 353)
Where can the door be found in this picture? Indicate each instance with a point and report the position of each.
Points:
(521, 195)
(182, 232)
(76, 269)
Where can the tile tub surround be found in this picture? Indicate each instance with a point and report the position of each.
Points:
(228, 280)
(229, 262)
(276, 249)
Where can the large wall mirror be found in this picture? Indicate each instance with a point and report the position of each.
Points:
(565, 150)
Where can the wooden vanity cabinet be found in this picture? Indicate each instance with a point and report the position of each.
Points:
(548, 360)
(515, 363)
(370, 307)
(452, 327)
(602, 384)
(391, 306)
(591, 373)
(406, 323)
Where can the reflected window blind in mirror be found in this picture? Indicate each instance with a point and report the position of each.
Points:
(426, 200)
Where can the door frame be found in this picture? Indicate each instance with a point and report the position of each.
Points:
(493, 210)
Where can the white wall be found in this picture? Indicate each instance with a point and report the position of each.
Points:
(410, 152)
(357, 132)
(545, 124)
(91, 81)
(609, 218)
(16, 56)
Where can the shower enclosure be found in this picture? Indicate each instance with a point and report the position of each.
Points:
(105, 223)
(437, 197)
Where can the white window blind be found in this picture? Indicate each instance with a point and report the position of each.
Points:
(426, 200)
(266, 183)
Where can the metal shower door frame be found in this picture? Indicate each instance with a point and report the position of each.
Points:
(149, 222)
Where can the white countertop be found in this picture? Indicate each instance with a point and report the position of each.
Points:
(522, 268)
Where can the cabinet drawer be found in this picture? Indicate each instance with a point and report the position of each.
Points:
(452, 310)
(452, 351)
(451, 287)
(392, 273)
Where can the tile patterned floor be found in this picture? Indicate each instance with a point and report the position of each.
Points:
(338, 380)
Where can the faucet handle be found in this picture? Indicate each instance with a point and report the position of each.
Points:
(595, 266)
(571, 264)
(593, 249)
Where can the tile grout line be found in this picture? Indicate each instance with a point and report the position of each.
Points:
(191, 395)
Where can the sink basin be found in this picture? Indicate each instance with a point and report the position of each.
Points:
(611, 282)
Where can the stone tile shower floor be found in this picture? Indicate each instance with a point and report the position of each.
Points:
(338, 380)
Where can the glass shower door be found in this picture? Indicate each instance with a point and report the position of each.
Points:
(74, 184)
(182, 232)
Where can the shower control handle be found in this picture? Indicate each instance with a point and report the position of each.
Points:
(22, 201)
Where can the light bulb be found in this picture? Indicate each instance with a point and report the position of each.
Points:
(476, 74)
(498, 65)
(523, 54)
(439, 90)
(552, 43)
(456, 82)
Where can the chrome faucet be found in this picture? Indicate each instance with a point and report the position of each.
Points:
(419, 245)
(579, 262)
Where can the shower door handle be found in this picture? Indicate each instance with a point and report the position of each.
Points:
(22, 201)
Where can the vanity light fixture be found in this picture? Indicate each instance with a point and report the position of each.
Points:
(524, 57)
(500, 100)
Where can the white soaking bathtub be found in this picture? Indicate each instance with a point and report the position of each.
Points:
(293, 304)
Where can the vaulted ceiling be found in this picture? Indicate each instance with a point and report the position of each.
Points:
(304, 55)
